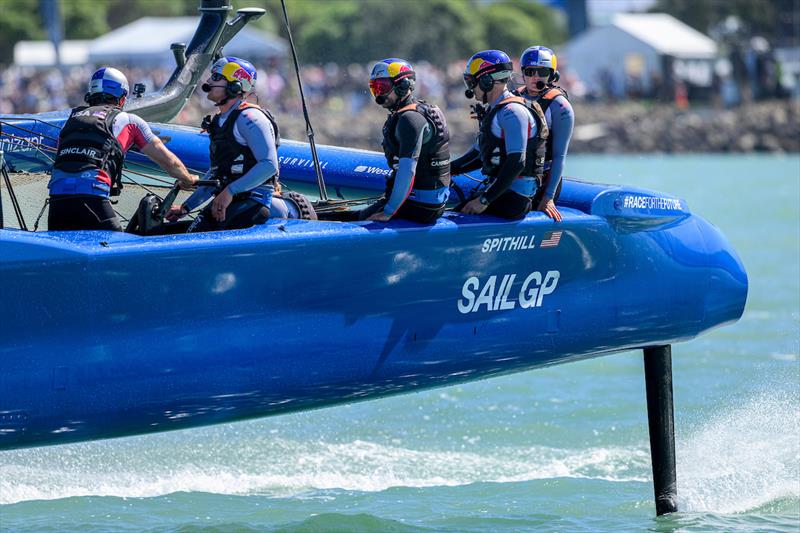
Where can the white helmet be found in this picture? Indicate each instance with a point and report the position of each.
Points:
(108, 81)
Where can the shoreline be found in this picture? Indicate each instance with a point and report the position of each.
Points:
(621, 128)
(763, 127)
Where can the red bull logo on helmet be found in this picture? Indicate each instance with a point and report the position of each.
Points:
(234, 71)
(241, 74)
(391, 68)
(396, 69)
(477, 64)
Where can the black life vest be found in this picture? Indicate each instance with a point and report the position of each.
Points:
(87, 142)
(433, 165)
(493, 149)
(229, 159)
(544, 99)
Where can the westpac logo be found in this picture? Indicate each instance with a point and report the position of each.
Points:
(372, 170)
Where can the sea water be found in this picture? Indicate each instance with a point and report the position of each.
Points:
(559, 449)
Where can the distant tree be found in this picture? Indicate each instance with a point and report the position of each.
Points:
(84, 19)
(509, 29)
(362, 30)
(18, 23)
(774, 19)
(121, 12)
(552, 26)
(341, 31)
(448, 31)
(438, 31)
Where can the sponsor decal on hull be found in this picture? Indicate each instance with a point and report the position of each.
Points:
(502, 292)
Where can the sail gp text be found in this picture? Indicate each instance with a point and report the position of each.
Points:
(496, 293)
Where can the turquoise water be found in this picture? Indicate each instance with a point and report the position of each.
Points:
(564, 448)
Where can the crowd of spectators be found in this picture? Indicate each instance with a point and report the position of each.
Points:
(330, 87)
(337, 96)
(341, 108)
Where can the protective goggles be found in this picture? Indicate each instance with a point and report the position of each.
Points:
(541, 72)
(380, 86)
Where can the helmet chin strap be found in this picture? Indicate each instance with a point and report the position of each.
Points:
(402, 101)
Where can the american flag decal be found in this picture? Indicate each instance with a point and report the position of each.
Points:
(551, 239)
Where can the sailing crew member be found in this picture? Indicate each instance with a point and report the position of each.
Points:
(244, 140)
(91, 149)
(416, 146)
(511, 142)
(539, 73)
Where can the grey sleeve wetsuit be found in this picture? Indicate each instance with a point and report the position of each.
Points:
(516, 126)
(254, 130)
(562, 121)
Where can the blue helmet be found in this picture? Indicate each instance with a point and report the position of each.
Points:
(495, 65)
(108, 81)
(389, 73)
(235, 71)
(538, 57)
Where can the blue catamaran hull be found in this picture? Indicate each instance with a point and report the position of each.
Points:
(108, 334)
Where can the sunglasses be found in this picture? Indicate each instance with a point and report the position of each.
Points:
(470, 81)
(541, 72)
(380, 86)
(216, 76)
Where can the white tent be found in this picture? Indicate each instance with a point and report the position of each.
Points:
(43, 54)
(641, 48)
(146, 42)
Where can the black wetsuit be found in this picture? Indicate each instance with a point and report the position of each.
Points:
(79, 212)
(416, 145)
(87, 168)
(510, 152)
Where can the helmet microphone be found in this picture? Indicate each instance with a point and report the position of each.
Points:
(540, 85)
(469, 93)
(206, 88)
(380, 99)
